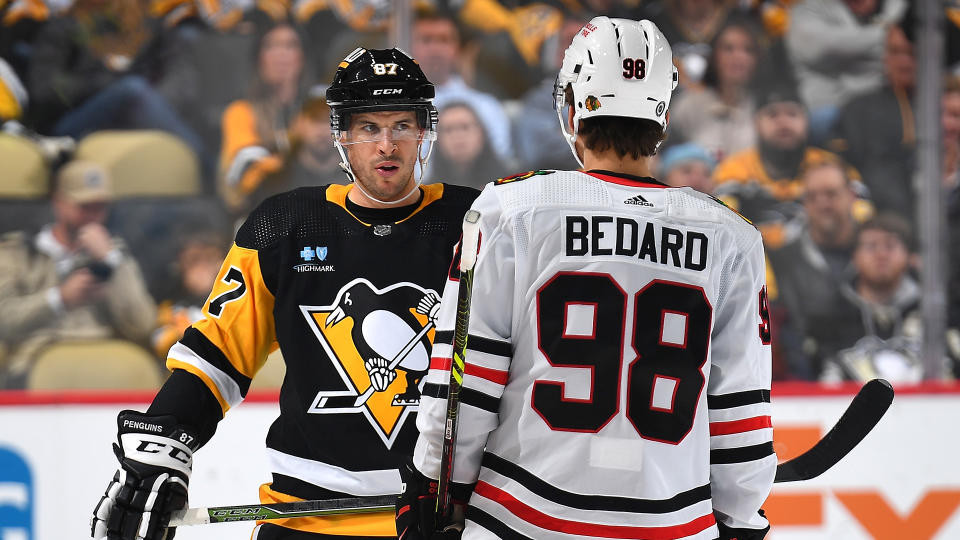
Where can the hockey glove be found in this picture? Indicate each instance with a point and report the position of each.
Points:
(155, 456)
(729, 533)
(417, 506)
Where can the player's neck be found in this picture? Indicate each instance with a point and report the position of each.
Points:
(610, 161)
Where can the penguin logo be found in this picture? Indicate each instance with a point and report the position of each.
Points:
(380, 340)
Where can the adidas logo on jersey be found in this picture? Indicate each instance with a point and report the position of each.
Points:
(638, 200)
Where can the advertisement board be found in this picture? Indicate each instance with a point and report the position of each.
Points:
(902, 482)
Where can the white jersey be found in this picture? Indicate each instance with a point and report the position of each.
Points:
(617, 380)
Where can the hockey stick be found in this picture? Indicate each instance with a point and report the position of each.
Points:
(255, 512)
(468, 258)
(863, 413)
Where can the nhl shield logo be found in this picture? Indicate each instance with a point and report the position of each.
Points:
(379, 341)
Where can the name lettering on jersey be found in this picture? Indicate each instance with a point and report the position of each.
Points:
(312, 257)
(379, 341)
(601, 235)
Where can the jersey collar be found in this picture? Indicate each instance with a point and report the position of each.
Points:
(625, 179)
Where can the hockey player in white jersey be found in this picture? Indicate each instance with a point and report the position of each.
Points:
(617, 379)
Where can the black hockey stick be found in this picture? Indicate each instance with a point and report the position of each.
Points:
(253, 512)
(863, 413)
(468, 258)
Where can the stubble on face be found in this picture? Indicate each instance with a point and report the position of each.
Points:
(384, 169)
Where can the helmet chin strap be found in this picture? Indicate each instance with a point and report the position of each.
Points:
(345, 166)
(571, 138)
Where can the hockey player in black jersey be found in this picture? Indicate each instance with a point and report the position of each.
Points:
(346, 281)
(616, 377)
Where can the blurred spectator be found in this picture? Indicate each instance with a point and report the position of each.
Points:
(79, 79)
(13, 95)
(687, 165)
(836, 47)
(876, 131)
(72, 279)
(257, 130)
(811, 266)
(312, 160)
(539, 141)
(20, 22)
(436, 46)
(690, 26)
(719, 117)
(336, 28)
(876, 329)
(763, 182)
(950, 122)
(198, 263)
(516, 41)
(463, 155)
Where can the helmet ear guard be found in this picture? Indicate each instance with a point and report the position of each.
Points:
(615, 67)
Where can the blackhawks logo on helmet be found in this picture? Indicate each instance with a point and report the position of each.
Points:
(591, 103)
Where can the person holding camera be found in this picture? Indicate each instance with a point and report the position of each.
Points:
(70, 280)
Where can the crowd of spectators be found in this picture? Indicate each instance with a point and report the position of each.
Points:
(799, 114)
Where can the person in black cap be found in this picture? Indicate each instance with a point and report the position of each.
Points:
(345, 279)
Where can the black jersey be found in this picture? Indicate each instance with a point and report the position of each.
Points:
(342, 296)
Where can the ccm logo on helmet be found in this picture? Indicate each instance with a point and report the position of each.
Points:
(387, 91)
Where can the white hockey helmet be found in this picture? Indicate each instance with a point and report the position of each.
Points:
(616, 67)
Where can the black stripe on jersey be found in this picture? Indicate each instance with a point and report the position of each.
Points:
(489, 346)
(443, 337)
(738, 399)
(469, 396)
(477, 343)
(438, 391)
(741, 455)
(480, 400)
(493, 524)
(593, 502)
(198, 343)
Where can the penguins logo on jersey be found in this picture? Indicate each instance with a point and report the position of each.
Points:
(380, 341)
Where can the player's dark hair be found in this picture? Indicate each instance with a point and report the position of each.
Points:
(634, 137)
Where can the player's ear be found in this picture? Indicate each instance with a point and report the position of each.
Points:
(666, 120)
(570, 126)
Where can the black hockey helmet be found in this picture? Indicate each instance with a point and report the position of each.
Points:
(380, 79)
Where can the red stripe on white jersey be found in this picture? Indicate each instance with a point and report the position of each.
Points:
(492, 375)
(580, 528)
(740, 426)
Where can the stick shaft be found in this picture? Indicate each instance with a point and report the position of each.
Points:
(468, 258)
(260, 512)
